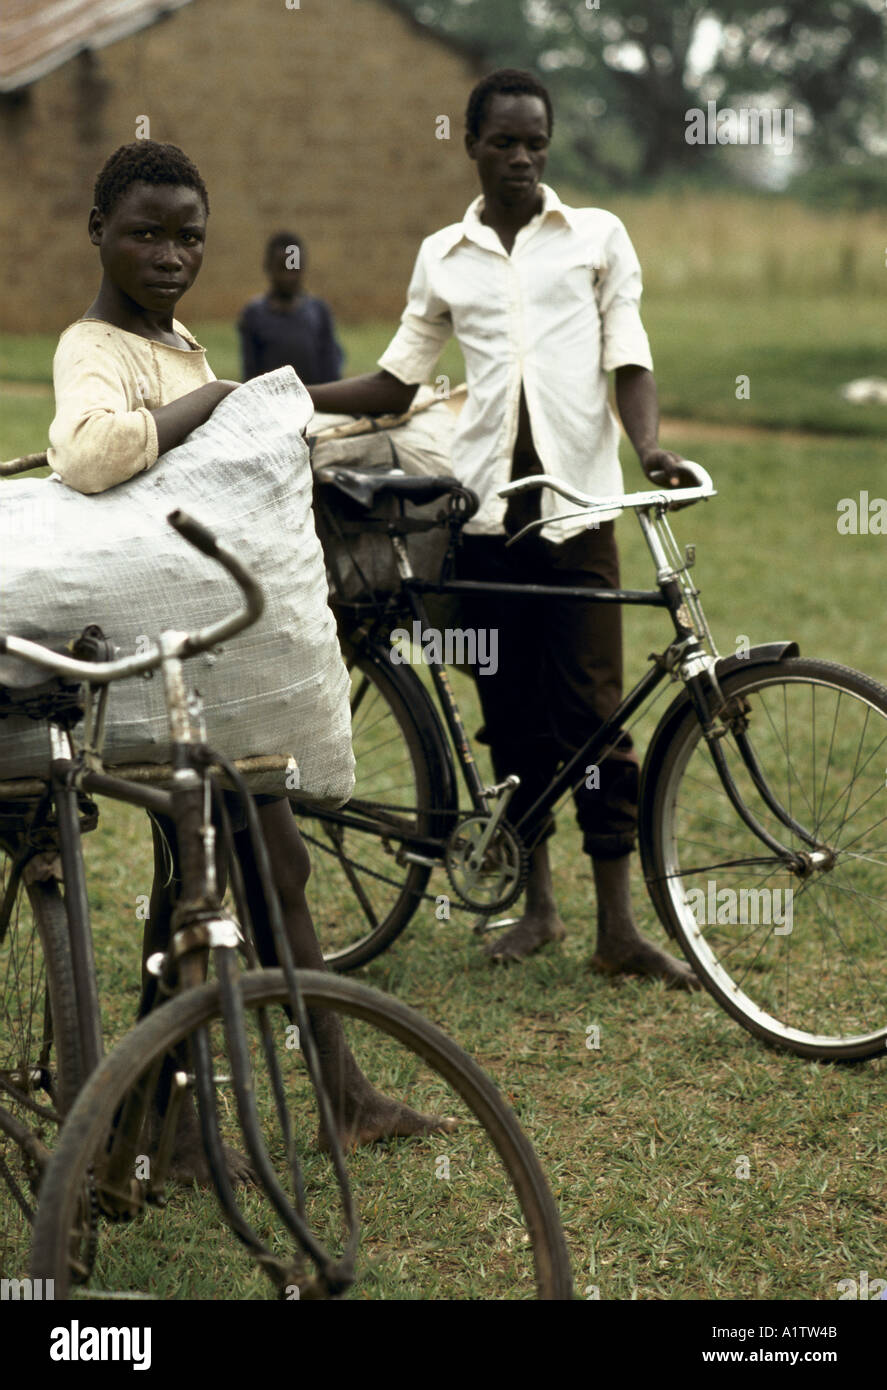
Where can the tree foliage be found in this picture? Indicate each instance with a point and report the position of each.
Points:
(624, 73)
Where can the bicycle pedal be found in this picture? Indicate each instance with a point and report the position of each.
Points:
(483, 924)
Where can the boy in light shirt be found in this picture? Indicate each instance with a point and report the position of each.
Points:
(130, 384)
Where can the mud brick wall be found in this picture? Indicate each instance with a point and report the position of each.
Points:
(320, 119)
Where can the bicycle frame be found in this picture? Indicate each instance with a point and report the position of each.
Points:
(691, 658)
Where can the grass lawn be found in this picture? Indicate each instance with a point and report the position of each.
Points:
(643, 1139)
(796, 349)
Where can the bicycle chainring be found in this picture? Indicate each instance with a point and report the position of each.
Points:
(495, 881)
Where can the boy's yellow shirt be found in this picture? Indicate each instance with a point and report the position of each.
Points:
(107, 381)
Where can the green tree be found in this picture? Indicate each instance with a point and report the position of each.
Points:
(624, 73)
(825, 56)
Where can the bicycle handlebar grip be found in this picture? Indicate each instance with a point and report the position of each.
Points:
(193, 532)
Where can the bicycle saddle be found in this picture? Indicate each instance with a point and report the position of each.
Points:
(368, 486)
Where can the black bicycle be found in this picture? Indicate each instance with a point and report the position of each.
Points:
(763, 808)
(465, 1213)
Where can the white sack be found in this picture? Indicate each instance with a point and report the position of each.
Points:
(281, 686)
(420, 446)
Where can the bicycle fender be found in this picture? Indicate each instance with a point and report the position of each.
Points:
(757, 656)
(434, 741)
(763, 655)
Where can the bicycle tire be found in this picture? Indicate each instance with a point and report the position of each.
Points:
(810, 976)
(40, 1058)
(543, 1258)
(361, 899)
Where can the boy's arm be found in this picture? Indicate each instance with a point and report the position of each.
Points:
(99, 436)
(174, 422)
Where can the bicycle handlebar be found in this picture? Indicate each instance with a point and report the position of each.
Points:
(185, 645)
(664, 497)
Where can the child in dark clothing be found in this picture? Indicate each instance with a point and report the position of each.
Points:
(287, 327)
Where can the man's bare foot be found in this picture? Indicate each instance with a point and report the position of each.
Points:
(642, 958)
(533, 931)
(370, 1118)
(540, 923)
(621, 950)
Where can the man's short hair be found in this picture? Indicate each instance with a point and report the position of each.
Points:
(509, 82)
(282, 241)
(145, 161)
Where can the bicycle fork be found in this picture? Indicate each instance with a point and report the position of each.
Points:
(697, 670)
(200, 927)
(701, 686)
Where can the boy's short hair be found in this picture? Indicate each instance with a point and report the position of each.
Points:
(145, 161)
(509, 82)
(283, 241)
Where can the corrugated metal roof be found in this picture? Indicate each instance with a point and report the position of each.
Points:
(37, 36)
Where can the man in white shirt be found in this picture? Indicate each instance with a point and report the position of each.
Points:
(543, 300)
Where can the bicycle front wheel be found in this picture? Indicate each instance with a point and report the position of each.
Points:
(466, 1214)
(362, 891)
(40, 1071)
(798, 957)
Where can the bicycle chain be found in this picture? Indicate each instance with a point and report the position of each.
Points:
(373, 873)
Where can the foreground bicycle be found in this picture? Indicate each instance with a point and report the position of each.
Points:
(466, 1214)
(763, 809)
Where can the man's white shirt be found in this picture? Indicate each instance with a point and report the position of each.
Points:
(559, 313)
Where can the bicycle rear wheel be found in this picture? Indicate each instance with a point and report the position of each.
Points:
(40, 1070)
(799, 959)
(362, 893)
(467, 1214)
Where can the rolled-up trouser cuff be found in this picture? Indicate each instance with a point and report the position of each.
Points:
(608, 846)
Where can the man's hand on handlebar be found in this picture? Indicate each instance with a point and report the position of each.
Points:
(665, 468)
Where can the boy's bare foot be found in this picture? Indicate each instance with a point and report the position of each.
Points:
(533, 931)
(369, 1117)
(189, 1162)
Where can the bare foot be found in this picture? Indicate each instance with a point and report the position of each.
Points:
(642, 958)
(370, 1117)
(189, 1165)
(533, 931)
(189, 1162)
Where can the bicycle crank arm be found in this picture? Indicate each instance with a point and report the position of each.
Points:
(503, 793)
(483, 924)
